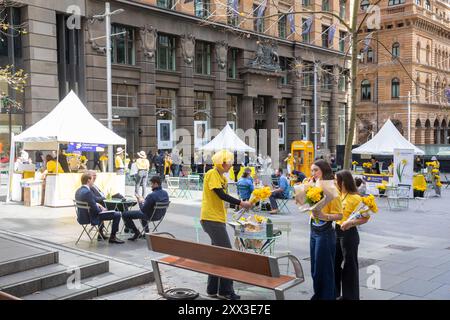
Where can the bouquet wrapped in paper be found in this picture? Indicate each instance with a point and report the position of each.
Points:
(367, 206)
(314, 196)
(260, 194)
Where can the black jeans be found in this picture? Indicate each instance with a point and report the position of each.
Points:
(346, 269)
(128, 217)
(217, 231)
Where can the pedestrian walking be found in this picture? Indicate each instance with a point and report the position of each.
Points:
(143, 166)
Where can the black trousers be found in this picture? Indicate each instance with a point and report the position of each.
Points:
(217, 231)
(346, 269)
(114, 216)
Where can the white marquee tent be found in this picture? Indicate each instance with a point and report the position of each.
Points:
(385, 141)
(227, 139)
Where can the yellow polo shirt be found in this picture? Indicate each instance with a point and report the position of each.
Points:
(51, 167)
(119, 162)
(332, 207)
(213, 208)
(349, 204)
(142, 164)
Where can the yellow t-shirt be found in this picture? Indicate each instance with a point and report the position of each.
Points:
(213, 208)
(51, 167)
(142, 164)
(332, 207)
(349, 204)
(119, 162)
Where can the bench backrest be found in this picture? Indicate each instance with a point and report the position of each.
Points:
(224, 257)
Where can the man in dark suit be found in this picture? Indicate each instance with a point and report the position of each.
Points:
(98, 194)
(146, 208)
(97, 213)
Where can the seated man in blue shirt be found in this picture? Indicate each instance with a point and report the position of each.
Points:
(146, 207)
(282, 192)
(245, 185)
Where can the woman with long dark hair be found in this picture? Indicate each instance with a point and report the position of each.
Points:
(346, 269)
(323, 238)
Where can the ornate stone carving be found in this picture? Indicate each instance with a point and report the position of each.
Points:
(266, 56)
(98, 47)
(149, 37)
(221, 54)
(188, 47)
(298, 67)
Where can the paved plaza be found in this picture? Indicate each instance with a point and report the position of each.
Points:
(409, 250)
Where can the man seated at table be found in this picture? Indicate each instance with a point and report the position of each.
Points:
(282, 192)
(146, 207)
(97, 212)
(98, 194)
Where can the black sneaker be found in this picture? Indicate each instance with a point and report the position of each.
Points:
(231, 296)
(212, 295)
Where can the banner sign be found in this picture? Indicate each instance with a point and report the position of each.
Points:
(89, 147)
(404, 167)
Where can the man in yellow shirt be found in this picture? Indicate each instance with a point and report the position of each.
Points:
(214, 216)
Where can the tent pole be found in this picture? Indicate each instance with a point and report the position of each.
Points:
(11, 168)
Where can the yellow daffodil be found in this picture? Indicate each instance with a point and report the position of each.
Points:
(314, 195)
(370, 202)
(381, 187)
(355, 163)
(404, 162)
(435, 171)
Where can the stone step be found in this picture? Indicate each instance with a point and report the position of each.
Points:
(99, 285)
(39, 279)
(16, 257)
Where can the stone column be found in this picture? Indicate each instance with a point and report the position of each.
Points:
(146, 95)
(185, 103)
(246, 119)
(333, 122)
(219, 108)
(271, 107)
(293, 118)
(40, 62)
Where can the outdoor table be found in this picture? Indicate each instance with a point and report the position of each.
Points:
(119, 204)
(246, 242)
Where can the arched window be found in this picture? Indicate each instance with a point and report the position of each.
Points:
(427, 90)
(418, 89)
(369, 55)
(418, 52)
(396, 50)
(427, 5)
(428, 54)
(395, 88)
(365, 4)
(366, 90)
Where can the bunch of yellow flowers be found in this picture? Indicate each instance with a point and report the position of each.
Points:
(367, 165)
(260, 219)
(355, 163)
(381, 187)
(438, 181)
(432, 164)
(370, 202)
(314, 195)
(83, 158)
(435, 171)
(260, 194)
(103, 158)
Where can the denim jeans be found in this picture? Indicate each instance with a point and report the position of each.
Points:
(141, 180)
(217, 231)
(323, 251)
(129, 216)
(273, 201)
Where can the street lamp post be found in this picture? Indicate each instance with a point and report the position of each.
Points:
(409, 96)
(107, 16)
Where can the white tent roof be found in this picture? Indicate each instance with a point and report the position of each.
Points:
(385, 141)
(69, 121)
(227, 139)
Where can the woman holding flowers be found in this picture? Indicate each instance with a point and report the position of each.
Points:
(214, 216)
(347, 239)
(323, 238)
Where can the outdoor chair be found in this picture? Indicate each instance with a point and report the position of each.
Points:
(447, 181)
(84, 219)
(195, 179)
(197, 227)
(173, 186)
(285, 228)
(282, 203)
(398, 197)
(422, 201)
(159, 212)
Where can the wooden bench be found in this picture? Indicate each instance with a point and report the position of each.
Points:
(6, 296)
(250, 268)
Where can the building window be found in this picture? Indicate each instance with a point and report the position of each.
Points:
(428, 55)
(323, 133)
(325, 5)
(232, 107)
(202, 8)
(124, 96)
(395, 2)
(166, 101)
(282, 26)
(343, 9)
(164, 4)
(202, 58)
(365, 5)
(166, 53)
(325, 32)
(427, 5)
(232, 14)
(306, 3)
(395, 50)
(327, 78)
(308, 77)
(366, 91)
(341, 123)
(342, 40)
(418, 52)
(395, 88)
(304, 119)
(232, 63)
(202, 105)
(282, 106)
(305, 35)
(370, 55)
(284, 65)
(258, 23)
(342, 84)
(123, 50)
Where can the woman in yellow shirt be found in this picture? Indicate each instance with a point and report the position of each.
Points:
(323, 238)
(167, 164)
(52, 166)
(347, 239)
(214, 216)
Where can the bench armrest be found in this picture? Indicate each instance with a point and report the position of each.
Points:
(297, 265)
(164, 233)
